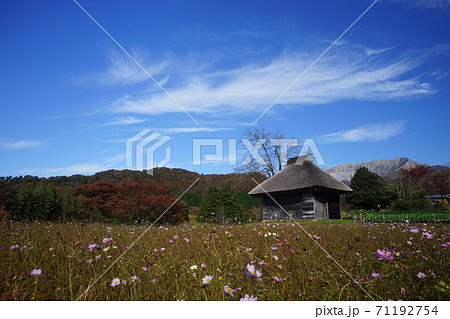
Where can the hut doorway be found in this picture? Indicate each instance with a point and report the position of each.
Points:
(321, 207)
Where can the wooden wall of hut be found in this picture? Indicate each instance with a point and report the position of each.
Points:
(334, 206)
(298, 204)
(320, 205)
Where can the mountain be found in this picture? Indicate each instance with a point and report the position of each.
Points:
(386, 168)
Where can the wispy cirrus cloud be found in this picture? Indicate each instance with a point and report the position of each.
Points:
(11, 144)
(428, 4)
(375, 51)
(126, 120)
(122, 70)
(194, 129)
(372, 133)
(348, 74)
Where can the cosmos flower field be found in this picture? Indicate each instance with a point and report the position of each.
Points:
(264, 261)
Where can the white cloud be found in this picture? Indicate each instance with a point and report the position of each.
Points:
(9, 144)
(372, 132)
(426, 3)
(194, 129)
(126, 120)
(123, 71)
(345, 75)
(375, 51)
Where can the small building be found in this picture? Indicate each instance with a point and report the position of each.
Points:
(304, 190)
(436, 199)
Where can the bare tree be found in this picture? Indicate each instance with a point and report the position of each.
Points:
(416, 182)
(273, 150)
(439, 181)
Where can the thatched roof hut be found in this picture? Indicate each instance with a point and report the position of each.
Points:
(304, 190)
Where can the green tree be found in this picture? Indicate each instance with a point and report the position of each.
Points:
(369, 190)
(220, 206)
(79, 208)
(97, 215)
(26, 205)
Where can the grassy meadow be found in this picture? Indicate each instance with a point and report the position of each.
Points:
(269, 261)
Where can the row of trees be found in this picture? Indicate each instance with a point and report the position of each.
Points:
(125, 201)
(404, 192)
(101, 201)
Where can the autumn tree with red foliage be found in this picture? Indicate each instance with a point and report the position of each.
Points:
(414, 183)
(129, 201)
(433, 181)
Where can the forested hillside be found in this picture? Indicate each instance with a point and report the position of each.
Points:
(120, 195)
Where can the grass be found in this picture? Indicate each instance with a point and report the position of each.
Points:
(164, 261)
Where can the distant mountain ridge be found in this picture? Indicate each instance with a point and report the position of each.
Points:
(386, 168)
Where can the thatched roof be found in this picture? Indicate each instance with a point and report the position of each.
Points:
(299, 173)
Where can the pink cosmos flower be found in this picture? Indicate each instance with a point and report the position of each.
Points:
(203, 265)
(253, 272)
(275, 257)
(186, 240)
(277, 279)
(93, 246)
(135, 278)
(421, 275)
(384, 254)
(229, 291)
(144, 268)
(248, 298)
(428, 235)
(375, 275)
(414, 230)
(36, 272)
(115, 282)
(14, 246)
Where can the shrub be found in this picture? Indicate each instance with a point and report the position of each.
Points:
(411, 204)
(4, 214)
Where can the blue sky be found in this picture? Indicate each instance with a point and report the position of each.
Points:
(71, 97)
